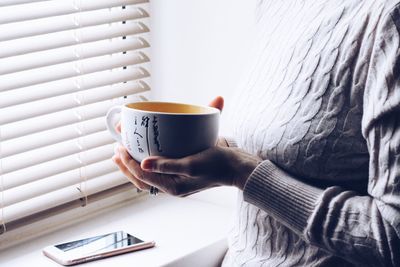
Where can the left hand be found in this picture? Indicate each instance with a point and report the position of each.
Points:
(217, 102)
(180, 177)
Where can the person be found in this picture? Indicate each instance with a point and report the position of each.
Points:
(316, 149)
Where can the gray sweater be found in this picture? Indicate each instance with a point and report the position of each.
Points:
(321, 106)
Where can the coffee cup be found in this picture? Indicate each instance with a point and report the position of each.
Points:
(172, 130)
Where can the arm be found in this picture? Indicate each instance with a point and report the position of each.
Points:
(364, 229)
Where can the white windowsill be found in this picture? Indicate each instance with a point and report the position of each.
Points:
(188, 232)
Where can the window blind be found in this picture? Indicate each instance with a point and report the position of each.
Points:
(63, 64)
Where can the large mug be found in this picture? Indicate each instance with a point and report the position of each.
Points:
(166, 129)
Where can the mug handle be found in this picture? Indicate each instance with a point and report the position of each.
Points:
(112, 112)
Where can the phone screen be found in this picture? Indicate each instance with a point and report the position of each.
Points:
(98, 244)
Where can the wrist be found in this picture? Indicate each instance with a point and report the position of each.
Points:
(247, 168)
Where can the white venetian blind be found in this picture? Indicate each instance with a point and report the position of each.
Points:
(63, 64)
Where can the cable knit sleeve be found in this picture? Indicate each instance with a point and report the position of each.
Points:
(363, 229)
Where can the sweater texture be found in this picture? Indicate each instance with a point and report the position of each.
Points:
(321, 106)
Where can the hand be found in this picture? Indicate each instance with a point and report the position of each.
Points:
(218, 103)
(180, 177)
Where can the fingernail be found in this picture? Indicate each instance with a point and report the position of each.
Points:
(147, 165)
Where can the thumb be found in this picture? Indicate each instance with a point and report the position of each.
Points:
(165, 165)
(218, 103)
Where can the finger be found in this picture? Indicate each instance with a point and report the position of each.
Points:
(218, 103)
(166, 166)
(130, 163)
(174, 176)
(139, 184)
(171, 184)
(118, 127)
(134, 168)
(222, 142)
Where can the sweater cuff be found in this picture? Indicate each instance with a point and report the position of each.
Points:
(278, 193)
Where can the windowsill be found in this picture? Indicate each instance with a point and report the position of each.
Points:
(188, 232)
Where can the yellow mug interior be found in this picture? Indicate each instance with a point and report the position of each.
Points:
(171, 108)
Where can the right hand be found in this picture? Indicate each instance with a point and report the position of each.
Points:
(218, 103)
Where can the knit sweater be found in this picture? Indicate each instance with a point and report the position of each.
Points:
(321, 107)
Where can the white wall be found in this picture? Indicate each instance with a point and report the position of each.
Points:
(199, 48)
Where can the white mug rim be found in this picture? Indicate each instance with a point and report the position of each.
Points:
(212, 110)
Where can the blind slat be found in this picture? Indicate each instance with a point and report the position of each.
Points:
(52, 183)
(28, 207)
(59, 103)
(67, 38)
(70, 85)
(71, 53)
(66, 70)
(43, 154)
(57, 119)
(125, 188)
(18, 2)
(53, 120)
(69, 22)
(53, 167)
(36, 10)
(52, 136)
(26, 143)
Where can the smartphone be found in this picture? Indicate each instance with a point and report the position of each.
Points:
(94, 248)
